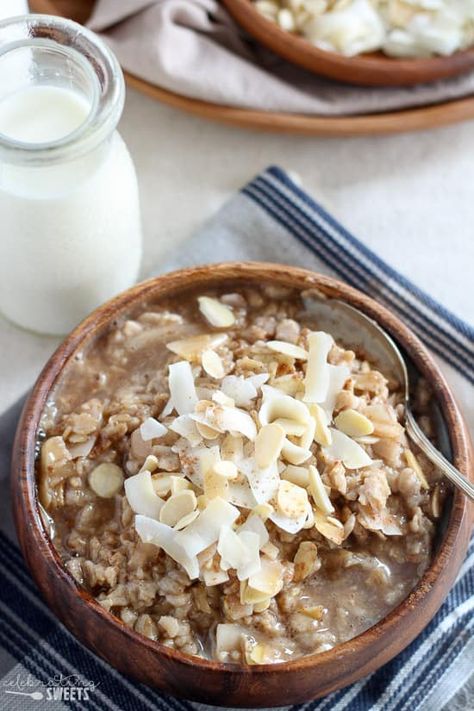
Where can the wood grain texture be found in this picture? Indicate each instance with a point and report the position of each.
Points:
(312, 125)
(374, 69)
(208, 681)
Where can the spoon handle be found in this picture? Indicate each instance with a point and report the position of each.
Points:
(428, 448)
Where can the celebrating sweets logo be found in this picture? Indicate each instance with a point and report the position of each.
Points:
(58, 688)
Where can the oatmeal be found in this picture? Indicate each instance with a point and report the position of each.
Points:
(226, 479)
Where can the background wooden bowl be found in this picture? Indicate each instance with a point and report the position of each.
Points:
(375, 69)
(209, 681)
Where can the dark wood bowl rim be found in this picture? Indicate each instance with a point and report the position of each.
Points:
(213, 275)
(325, 62)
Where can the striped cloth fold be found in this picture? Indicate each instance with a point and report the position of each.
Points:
(271, 219)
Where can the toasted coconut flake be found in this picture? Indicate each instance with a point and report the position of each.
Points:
(414, 464)
(161, 535)
(353, 423)
(306, 439)
(292, 500)
(316, 381)
(297, 475)
(345, 449)
(178, 505)
(212, 364)
(186, 520)
(240, 494)
(241, 390)
(258, 380)
(322, 433)
(181, 385)
(215, 485)
(141, 495)
(192, 347)
(152, 429)
(218, 314)
(239, 552)
(205, 530)
(186, 427)
(288, 349)
(263, 482)
(294, 454)
(106, 480)
(268, 445)
(231, 419)
(329, 527)
(222, 399)
(255, 524)
(269, 579)
(338, 376)
(318, 491)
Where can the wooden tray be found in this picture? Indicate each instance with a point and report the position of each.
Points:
(385, 123)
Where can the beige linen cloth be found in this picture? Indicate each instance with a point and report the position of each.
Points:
(193, 48)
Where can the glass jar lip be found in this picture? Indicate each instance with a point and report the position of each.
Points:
(96, 60)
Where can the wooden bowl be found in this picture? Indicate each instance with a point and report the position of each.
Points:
(209, 681)
(375, 69)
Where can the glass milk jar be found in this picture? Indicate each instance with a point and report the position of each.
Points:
(70, 235)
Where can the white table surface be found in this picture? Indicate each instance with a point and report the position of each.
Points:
(409, 197)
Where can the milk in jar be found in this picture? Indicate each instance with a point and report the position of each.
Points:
(70, 234)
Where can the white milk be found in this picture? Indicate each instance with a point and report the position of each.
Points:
(70, 233)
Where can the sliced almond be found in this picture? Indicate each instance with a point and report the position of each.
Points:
(251, 596)
(292, 500)
(218, 314)
(414, 464)
(150, 464)
(178, 506)
(226, 469)
(329, 527)
(288, 349)
(353, 423)
(295, 454)
(316, 612)
(192, 347)
(316, 380)
(291, 427)
(212, 364)
(318, 491)
(322, 433)
(106, 480)
(306, 561)
(263, 511)
(186, 520)
(207, 432)
(269, 579)
(268, 445)
(297, 475)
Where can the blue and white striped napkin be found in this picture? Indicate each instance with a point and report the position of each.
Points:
(271, 219)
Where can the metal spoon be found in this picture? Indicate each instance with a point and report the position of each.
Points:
(350, 324)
